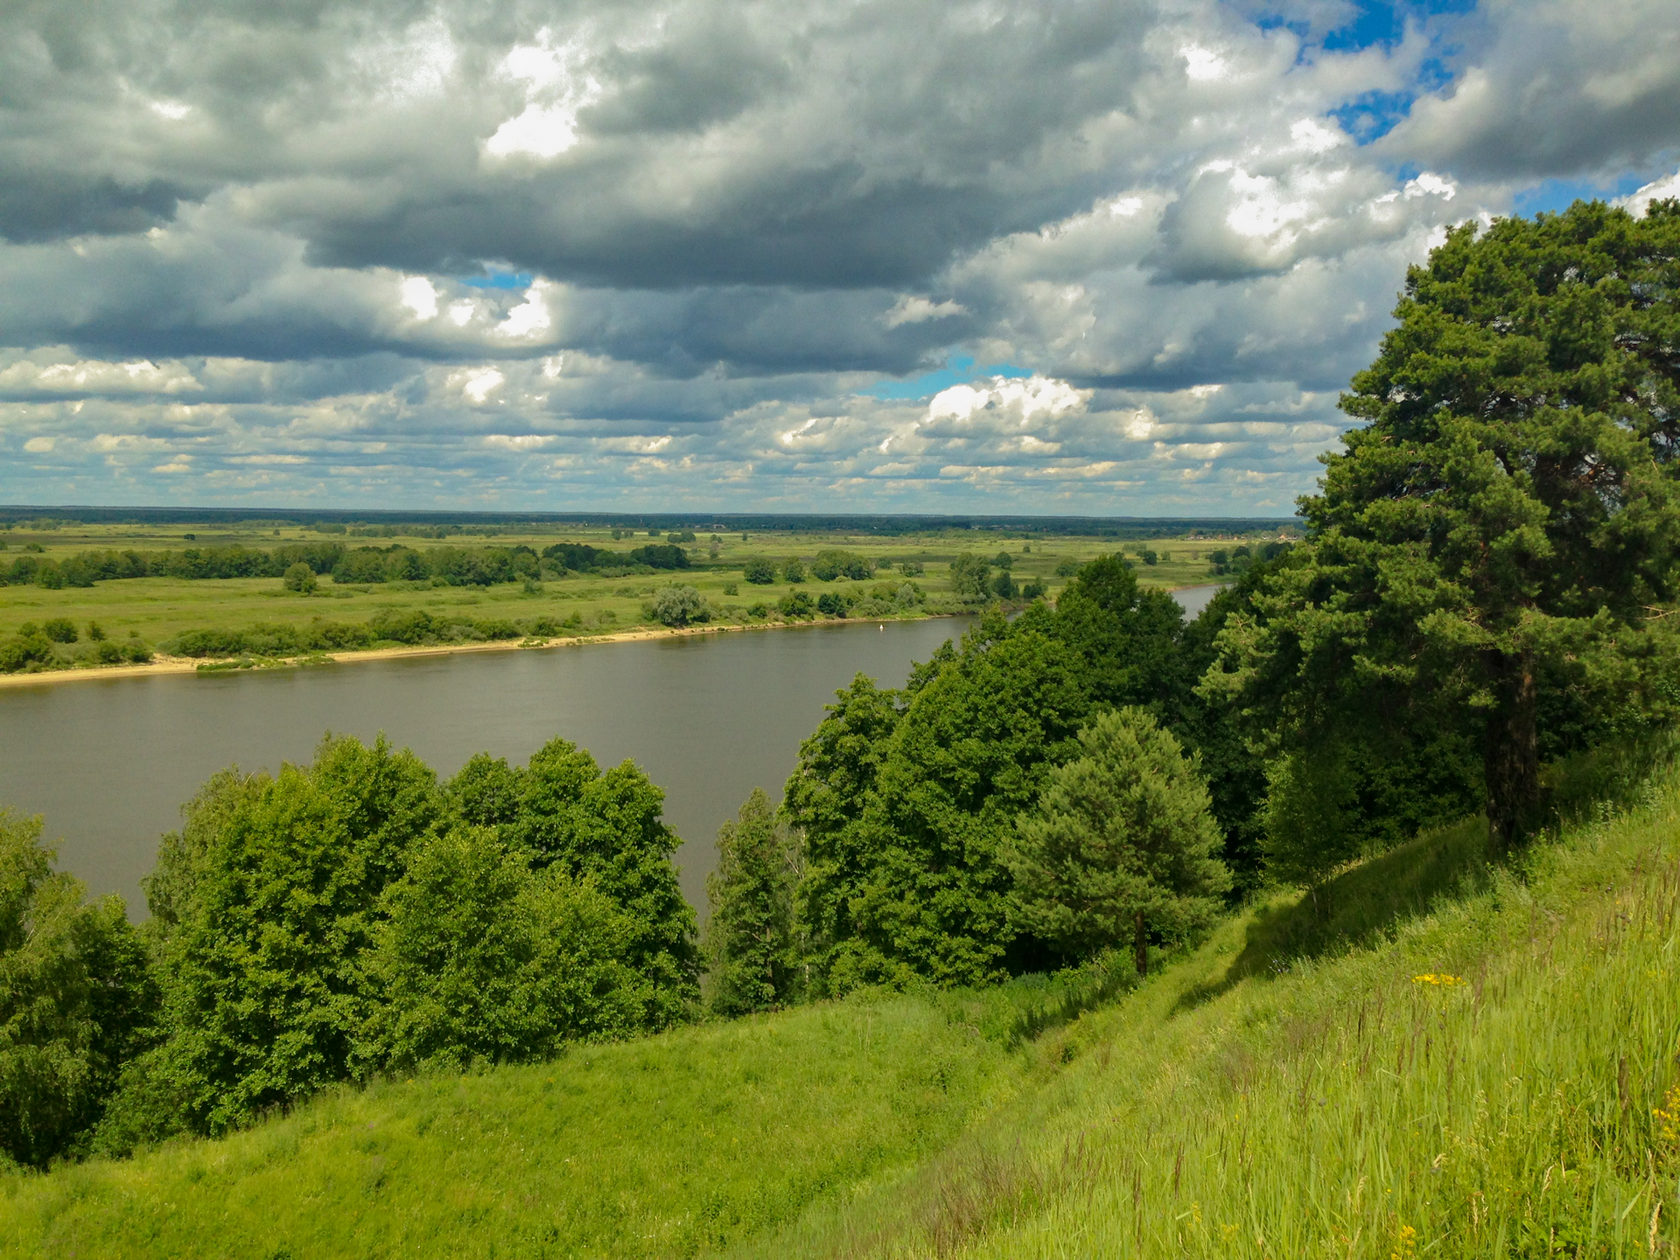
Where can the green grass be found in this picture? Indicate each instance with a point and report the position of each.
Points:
(667, 1146)
(155, 610)
(1290, 1088)
(1294, 1089)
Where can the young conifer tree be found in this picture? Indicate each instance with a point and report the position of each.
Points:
(751, 953)
(1122, 847)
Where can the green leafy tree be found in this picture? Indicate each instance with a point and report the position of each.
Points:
(607, 829)
(478, 957)
(759, 571)
(970, 753)
(76, 1000)
(265, 994)
(299, 577)
(679, 606)
(824, 801)
(1487, 548)
(750, 947)
(1122, 845)
(794, 571)
(971, 578)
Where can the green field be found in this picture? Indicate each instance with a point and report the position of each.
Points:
(154, 610)
(1456, 1060)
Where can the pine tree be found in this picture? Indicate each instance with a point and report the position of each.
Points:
(1122, 846)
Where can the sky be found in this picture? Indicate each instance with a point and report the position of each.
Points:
(1111, 258)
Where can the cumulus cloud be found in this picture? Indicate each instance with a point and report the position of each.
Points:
(701, 254)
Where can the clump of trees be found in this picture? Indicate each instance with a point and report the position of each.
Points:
(355, 565)
(340, 919)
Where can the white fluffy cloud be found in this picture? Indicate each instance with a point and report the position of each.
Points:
(721, 255)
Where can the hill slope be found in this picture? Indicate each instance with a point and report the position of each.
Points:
(1449, 1061)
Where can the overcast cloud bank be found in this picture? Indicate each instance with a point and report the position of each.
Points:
(733, 256)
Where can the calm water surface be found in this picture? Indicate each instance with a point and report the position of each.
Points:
(108, 763)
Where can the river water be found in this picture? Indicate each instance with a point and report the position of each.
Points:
(108, 762)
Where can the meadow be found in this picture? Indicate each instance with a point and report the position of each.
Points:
(156, 610)
(1445, 1057)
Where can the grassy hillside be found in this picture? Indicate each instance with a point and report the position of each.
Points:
(1440, 1060)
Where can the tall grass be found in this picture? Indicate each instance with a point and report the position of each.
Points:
(663, 1147)
(1487, 1064)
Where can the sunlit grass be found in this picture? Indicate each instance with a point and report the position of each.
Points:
(1482, 1064)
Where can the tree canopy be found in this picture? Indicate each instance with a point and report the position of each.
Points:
(1486, 550)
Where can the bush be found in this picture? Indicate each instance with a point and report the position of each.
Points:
(679, 606)
(59, 629)
(300, 578)
(759, 571)
(795, 605)
(26, 651)
(832, 604)
(794, 572)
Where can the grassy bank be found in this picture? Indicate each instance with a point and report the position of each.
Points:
(259, 616)
(1443, 1059)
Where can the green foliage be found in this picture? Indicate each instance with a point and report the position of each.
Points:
(606, 830)
(796, 606)
(679, 606)
(971, 578)
(478, 957)
(969, 754)
(76, 1001)
(751, 947)
(832, 563)
(1494, 535)
(1121, 840)
(265, 995)
(300, 578)
(793, 571)
(59, 629)
(759, 571)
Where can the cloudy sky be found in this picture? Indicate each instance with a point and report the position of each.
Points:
(923, 255)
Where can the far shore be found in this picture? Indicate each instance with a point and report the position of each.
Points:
(161, 663)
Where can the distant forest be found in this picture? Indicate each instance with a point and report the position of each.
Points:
(1125, 527)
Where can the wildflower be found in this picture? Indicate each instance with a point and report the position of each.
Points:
(1405, 1244)
(1441, 980)
(1668, 1116)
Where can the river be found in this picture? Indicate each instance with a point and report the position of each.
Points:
(108, 762)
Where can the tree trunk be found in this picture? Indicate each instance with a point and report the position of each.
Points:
(1511, 751)
(1140, 945)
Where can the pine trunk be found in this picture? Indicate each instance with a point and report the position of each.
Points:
(1511, 753)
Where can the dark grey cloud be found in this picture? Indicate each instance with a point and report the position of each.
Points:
(238, 241)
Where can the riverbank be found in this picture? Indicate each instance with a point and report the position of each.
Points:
(163, 664)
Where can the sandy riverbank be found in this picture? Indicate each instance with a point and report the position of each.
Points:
(164, 664)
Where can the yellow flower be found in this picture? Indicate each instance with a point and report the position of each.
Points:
(1443, 980)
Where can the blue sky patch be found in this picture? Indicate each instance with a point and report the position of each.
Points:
(958, 370)
(495, 278)
(1555, 195)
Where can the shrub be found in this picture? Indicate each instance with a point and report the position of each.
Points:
(59, 629)
(679, 606)
(300, 578)
(759, 571)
